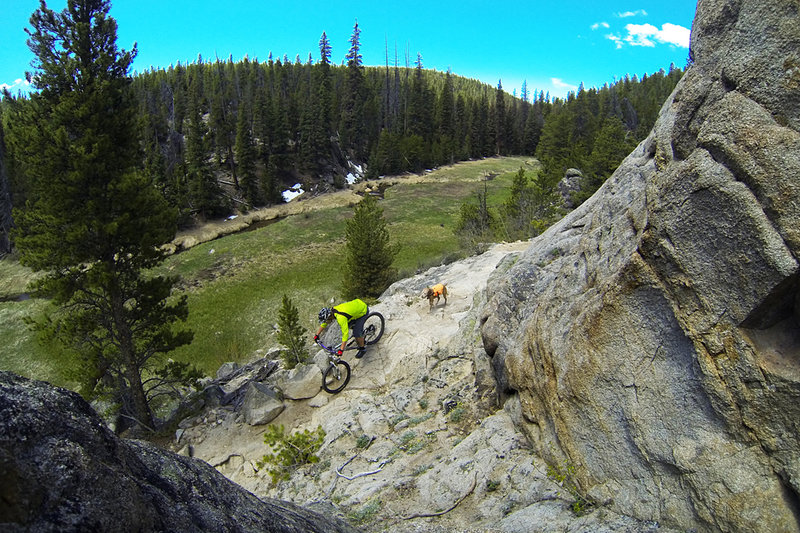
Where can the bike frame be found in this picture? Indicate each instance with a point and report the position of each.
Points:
(331, 351)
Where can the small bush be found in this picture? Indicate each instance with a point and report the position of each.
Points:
(563, 476)
(290, 451)
(366, 513)
(457, 414)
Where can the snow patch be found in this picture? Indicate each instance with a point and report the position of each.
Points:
(292, 192)
(356, 174)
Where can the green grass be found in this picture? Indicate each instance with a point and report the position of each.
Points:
(235, 283)
(14, 278)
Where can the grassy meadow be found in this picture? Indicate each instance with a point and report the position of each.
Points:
(235, 283)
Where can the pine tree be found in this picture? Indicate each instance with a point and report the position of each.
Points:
(447, 108)
(246, 160)
(353, 130)
(501, 137)
(204, 193)
(291, 335)
(420, 108)
(6, 219)
(610, 148)
(368, 254)
(516, 208)
(476, 221)
(315, 123)
(223, 119)
(93, 225)
(554, 149)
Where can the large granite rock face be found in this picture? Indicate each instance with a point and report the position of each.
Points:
(651, 337)
(62, 469)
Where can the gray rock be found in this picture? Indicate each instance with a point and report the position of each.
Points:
(651, 335)
(227, 369)
(303, 381)
(261, 404)
(570, 183)
(63, 470)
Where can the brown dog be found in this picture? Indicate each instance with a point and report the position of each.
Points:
(437, 291)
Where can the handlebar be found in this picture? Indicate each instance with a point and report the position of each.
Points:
(326, 348)
(329, 349)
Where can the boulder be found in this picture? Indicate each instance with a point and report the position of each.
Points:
(226, 369)
(651, 336)
(63, 470)
(569, 184)
(301, 382)
(261, 404)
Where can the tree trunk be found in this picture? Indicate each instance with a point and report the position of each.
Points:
(142, 413)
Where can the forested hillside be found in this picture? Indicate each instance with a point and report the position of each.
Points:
(220, 136)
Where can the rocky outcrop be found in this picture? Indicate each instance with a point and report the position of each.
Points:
(651, 337)
(63, 470)
(569, 185)
(416, 441)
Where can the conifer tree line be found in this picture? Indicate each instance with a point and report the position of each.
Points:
(220, 135)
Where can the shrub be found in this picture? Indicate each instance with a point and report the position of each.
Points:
(365, 513)
(290, 451)
(564, 477)
(291, 335)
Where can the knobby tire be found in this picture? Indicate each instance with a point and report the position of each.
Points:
(329, 381)
(373, 327)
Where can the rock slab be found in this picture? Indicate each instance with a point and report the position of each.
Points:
(652, 335)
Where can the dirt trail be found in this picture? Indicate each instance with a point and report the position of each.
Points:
(413, 328)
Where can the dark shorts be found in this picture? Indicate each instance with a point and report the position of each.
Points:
(357, 325)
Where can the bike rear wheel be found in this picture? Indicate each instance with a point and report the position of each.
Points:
(373, 327)
(336, 377)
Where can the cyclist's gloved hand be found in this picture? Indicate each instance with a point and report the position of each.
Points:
(339, 352)
(316, 338)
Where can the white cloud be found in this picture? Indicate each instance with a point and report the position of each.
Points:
(598, 25)
(674, 35)
(616, 39)
(18, 85)
(648, 35)
(558, 83)
(640, 34)
(627, 14)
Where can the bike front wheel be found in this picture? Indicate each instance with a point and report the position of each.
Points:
(336, 377)
(373, 327)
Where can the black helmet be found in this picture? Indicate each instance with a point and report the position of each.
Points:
(325, 314)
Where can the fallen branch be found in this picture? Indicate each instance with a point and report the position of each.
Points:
(440, 513)
(362, 474)
(145, 426)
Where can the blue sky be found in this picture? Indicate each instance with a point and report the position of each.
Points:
(553, 46)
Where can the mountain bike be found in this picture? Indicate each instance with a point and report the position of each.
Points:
(337, 375)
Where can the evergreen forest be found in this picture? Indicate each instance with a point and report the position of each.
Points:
(221, 136)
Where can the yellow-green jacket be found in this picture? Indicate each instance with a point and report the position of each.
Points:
(345, 312)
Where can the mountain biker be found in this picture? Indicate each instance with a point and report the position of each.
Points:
(350, 314)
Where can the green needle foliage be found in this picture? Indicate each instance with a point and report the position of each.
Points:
(291, 335)
(476, 222)
(369, 255)
(93, 223)
(290, 451)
